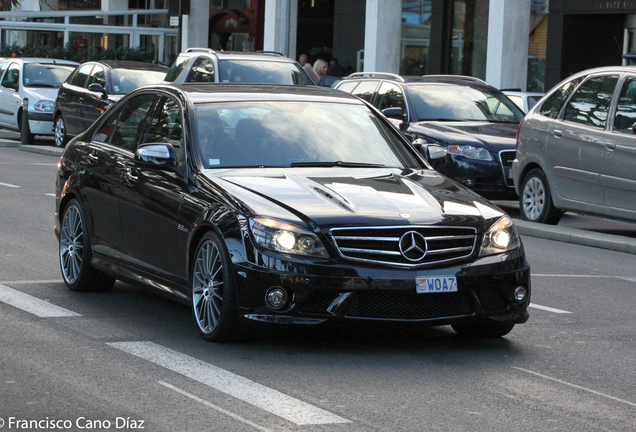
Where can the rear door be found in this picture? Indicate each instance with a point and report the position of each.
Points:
(73, 96)
(619, 156)
(10, 100)
(575, 145)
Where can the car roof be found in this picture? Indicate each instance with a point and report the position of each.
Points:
(42, 60)
(239, 55)
(220, 92)
(128, 64)
(457, 79)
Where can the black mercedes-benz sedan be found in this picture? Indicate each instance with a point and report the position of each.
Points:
(282, 205)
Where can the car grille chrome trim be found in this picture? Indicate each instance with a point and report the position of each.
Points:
(380, 244)
(506, 157)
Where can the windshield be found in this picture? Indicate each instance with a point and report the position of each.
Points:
(46, 75)
(284, 134)
(462, 103)
(262, 72)
(124, 81)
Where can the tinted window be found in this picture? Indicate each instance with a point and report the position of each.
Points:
(463, 103)
(165, 125)
(366, 89)
(202, 71)
(45, 75)
(390, 96)
(348, 86)
(129, 127)
(626, 107)
(552, 105)
(262, 72)
(105, 132)
(176, 68)
(123, 81)
(81, 75)
(284, 133)
(98, 76)
(591, 102)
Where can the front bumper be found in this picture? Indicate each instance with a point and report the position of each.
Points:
(487, 178)
(331, 293)
(41, 123)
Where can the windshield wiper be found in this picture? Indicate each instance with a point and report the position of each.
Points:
(336, 164)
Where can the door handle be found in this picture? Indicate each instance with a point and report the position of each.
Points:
(81, 99)
(92, 158)
(609, 145)
(63, 96)
(557, 133)
(131, 175)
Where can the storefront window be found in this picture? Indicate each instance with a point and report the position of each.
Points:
(416, 39)
(83, 42)
(470, 38)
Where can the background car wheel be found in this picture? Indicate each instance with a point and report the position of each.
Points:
(213, 295)
(75, 253)
(60, 138)
(535, 201)
(484, 329)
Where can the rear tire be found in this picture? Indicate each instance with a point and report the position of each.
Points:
(214, 303)
(535, 201)
(75, 253)
(489, 329)
(60, 138)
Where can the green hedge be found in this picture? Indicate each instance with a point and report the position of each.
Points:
(66, 53)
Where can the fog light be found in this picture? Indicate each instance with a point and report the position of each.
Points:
(520, 294)
(469, 183)
(276, 298)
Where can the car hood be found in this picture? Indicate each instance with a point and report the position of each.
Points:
(36, 94)
(339, 196)
(493, 136)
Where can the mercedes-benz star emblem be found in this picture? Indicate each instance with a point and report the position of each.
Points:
(413, 246)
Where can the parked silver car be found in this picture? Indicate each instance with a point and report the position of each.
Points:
(576, 149)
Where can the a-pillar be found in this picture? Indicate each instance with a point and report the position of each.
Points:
(508, 35)
(382, 36)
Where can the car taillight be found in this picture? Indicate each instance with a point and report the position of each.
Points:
(519, 130)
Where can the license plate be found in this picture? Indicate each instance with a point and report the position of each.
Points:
(435, 284)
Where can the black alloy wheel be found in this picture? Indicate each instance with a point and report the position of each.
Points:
(535, 201)
(75, 253)
(214, 302)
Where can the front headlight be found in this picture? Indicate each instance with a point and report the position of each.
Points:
(44, 106)
(501, 237)
(471, 152)
(287, 238)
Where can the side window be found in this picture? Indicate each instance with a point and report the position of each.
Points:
(348, 86)
(131, 124)
(166, 126)
(552, 105)
(12, 78)
(80, 77)
(176, 68)
(591, 102)
(366, 89)
(105, 132)
(202, 71)
(3, 67)
(390, 96)
(626, 107)
(98, 76)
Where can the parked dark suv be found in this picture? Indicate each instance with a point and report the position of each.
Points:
(474, 121)
(206, 65)
(93, 87)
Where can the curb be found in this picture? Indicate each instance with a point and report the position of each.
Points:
(45, 150)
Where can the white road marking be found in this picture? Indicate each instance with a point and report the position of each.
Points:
(575, 386)
(631, 279)
(9, 185)
(218, 408)
(270, 400)
(549, 309)
(30, 282)
(50, 194)
(33, 305)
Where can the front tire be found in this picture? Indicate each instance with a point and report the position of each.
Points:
(60, 138)
(214, 303)
(75, 253)
(535, 201)
(489, 329)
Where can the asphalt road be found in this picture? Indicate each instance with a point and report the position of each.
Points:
(110, 361)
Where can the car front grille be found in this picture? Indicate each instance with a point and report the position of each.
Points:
(382, 244)
(506, 157)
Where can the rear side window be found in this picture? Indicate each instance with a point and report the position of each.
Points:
(80, 77)
(366, 89)
(347, 86)
(390, 96)
(591, 102)
(202, 71)
(176, 68)
(626, 107)
(553, 104)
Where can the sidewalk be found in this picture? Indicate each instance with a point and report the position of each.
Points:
(549, 232)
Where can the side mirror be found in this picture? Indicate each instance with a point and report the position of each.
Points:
(434, 154)
(157, 154)
(394, 113)
(98, 88)
(10, 84)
